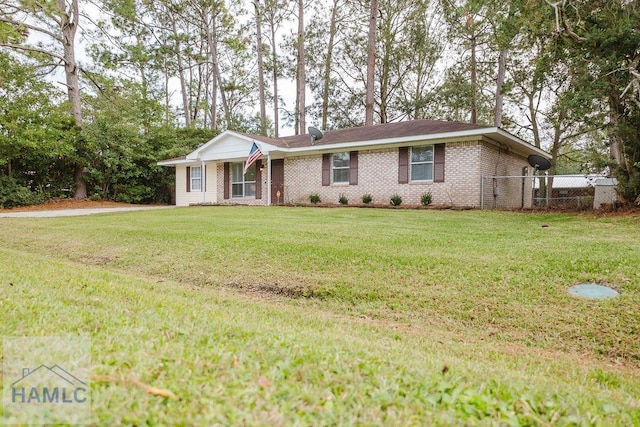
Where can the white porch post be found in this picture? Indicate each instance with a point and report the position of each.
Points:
(269, 179)
(203, 182)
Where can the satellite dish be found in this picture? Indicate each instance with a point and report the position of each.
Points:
(539, 162)
(316, 134)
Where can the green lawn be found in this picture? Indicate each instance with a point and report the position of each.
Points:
(314, 316)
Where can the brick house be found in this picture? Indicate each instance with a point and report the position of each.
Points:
(446, 159)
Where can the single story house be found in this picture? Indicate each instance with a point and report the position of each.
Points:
(409, 159)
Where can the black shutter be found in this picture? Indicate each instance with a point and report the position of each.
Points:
(353, 168)
(227, 184)
(403, 165)
(188, 179)
(326, 169)
(258, 179)
(438, 162)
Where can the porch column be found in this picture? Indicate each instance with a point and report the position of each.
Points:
(269, 179)
(203, 182)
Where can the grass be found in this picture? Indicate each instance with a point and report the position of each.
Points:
(336, 316)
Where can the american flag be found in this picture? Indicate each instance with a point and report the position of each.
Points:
(254, 154)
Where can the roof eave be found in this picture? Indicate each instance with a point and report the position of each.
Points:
(494, 133)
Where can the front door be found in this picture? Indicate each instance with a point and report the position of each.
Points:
(277, 182)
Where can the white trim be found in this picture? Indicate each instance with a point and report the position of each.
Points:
(174, 162)
(334, 168)
(411, 163)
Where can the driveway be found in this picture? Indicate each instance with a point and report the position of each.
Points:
(76, 212)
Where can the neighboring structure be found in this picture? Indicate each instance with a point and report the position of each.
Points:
(446, 159)
(606, 192)
(588, 191)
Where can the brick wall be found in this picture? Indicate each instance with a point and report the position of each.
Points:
(378, 176)
(510, 194)
(465, 164)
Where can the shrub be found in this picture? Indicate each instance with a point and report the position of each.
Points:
(366, 199)
(12, 194)
(426, 199)
(314, 198)
(396, 200)
(343, 199)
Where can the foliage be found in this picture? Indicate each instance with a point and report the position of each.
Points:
(570, 80)
(314, 198)
(343, 200)
(396, 200)
(12, 194)
(426, 199)
(367, 198)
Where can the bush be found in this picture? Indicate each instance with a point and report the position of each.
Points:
(343, 199)
(366, 199)
(12, 194)
(314, 198)
(426, 199)
(396, 200)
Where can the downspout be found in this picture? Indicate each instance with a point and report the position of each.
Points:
(269, 179)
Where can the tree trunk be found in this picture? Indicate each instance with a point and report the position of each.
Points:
(212, 40)
(327, 65)
(474, 81)
(533, 112)
(502, 69)
(183, 83)
(259, 46)
(371, 63)
(300, 80)
(69, 25)
(616, 145)
(274, 56)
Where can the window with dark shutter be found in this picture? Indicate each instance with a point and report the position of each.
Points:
(326, 169)
(188, 179)
(227, 179)
(403, 165)
(438, 162)
(353, 168)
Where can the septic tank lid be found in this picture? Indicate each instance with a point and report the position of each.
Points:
(592, 290)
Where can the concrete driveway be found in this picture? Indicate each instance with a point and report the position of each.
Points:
(76, 212)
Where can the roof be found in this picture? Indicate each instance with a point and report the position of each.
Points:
(577, 181)
(371, 133)
(379, 136)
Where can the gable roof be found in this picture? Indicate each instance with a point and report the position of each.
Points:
(387, 134)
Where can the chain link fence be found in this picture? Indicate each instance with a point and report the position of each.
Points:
(570, 192)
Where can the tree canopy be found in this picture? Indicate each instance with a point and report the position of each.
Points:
(92, 94)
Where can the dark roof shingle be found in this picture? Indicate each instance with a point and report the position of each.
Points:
(372, 133)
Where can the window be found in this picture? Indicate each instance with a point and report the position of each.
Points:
(196, 178)
(340, 167)
(422, 163)
(243, 185)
